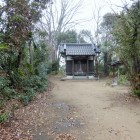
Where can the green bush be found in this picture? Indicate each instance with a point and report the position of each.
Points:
(123, 79)
(42, 69)
(53, 67)
(137, 93)
(35, 82)
(24, 99)
(2, 104)
(30, 93)
(30, 77)
(5, 117)
(4, 82)
(27, 96)
(6, 90)
(8, 93)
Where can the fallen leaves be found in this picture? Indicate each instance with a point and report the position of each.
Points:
(26, 120)
(65, 137)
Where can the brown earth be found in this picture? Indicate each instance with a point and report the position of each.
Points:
(109, 113)
(77, 110)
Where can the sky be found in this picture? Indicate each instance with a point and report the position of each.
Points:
(88, 13)
(90, 8)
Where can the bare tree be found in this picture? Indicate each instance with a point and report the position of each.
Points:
(59, 17)
(97, 18)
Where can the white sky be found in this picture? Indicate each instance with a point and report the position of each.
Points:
(90, 8)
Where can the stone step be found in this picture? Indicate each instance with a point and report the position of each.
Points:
(80, 77)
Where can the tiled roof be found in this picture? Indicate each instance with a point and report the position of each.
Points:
(77, 49)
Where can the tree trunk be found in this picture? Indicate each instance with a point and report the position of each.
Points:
(96, 66)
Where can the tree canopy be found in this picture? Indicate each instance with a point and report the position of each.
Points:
(127, 34)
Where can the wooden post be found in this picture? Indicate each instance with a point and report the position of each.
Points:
(87, 67)
(73, 67)
(93, 66)
(65, 66)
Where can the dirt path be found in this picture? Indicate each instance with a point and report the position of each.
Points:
(107, 113)
(84, 109)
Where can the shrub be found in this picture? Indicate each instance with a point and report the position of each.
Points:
(24, 99)
(5, 117)
(30, 93)
(53, 67)
(42, 69)
(4, 82)
(6, 90)
(137, 93)
(2, 104)
(123, 79)
(8, 93)
(35, 82)
(27, 96)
